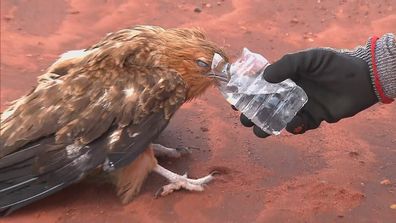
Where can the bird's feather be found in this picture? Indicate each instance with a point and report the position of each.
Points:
(98, 109)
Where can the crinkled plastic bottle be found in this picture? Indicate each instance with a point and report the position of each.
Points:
(269, 106)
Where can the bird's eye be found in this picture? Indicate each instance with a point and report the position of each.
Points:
(202, 64)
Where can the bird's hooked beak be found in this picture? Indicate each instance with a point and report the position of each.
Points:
(220, 69)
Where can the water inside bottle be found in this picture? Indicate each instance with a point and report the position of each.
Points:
(269, 106)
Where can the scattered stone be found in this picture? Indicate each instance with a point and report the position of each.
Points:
(207, 5)
(204, 129)
(393, 206)
(245, 29)
(386, 182)
(309, 36)
(294, 21)
(353, 153)
(218, 3)
(362, 162)
(74, 12)
(7, 18)
(198, 10)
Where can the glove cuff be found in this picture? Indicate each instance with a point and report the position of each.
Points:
(380, 55)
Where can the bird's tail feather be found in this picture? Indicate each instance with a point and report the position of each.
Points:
(23, 182)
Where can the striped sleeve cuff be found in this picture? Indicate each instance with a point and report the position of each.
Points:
(380, 55)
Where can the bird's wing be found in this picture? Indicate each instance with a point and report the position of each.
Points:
(126, 35)
(96, 112)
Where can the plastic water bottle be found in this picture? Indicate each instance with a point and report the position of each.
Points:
(269, 106)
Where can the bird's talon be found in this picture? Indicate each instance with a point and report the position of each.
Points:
(215, 172)
(185, 150)
(158, 193)
(178, 182)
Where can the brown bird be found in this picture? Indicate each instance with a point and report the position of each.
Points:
(101, 108)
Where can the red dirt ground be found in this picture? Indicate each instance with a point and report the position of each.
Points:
(329, 175)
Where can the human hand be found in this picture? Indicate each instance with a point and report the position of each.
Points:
(338, 86)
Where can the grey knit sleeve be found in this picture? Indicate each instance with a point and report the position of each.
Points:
(385, 59)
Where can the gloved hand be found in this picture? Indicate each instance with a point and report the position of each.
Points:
(338, 86)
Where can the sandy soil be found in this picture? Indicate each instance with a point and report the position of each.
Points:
(329, 175)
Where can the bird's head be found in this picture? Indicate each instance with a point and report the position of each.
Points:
(190, 54)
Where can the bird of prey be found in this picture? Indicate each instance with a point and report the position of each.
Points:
(101, 108)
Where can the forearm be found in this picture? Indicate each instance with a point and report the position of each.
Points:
(381, 59)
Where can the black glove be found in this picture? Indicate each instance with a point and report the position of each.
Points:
(338, 86)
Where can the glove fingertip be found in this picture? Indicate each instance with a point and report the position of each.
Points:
(270, 76)
(245, 121)
(260, 133)
(273, 76)
(296, 126)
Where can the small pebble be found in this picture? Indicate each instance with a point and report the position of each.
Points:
(197, 10)
(386, 182)
(74, 12)
(7, 18)
(204, 129)
(294, 20)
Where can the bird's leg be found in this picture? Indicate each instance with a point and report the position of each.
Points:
(129, 179)
(178, 182)
(160, 150)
